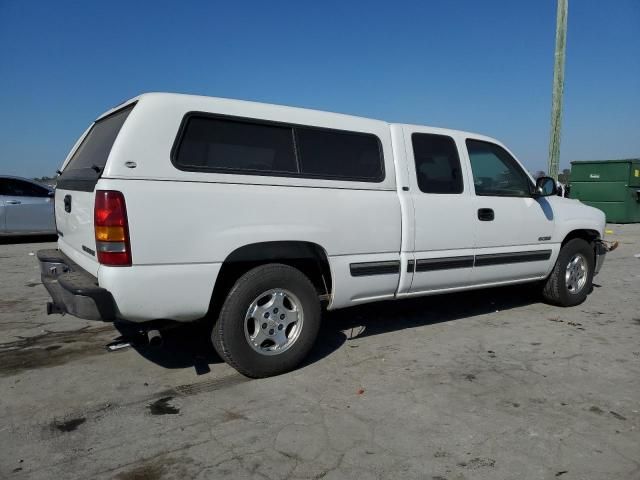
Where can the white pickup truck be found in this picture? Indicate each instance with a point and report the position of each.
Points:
(254, 216)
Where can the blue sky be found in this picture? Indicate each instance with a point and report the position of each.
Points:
(484, 66)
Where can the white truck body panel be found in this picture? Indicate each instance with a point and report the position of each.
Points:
(183, 225)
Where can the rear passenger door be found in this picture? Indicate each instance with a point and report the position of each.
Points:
(443, 209)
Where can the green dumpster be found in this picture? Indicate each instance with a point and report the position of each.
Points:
(613, 186)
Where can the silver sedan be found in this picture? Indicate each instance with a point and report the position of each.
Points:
(26, 207)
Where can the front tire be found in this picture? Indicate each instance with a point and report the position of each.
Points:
(571, 278)
(268, 322)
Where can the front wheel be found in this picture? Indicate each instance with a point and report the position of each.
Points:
(571, 278)
(268, 322)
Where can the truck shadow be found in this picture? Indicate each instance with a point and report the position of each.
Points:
(15, 240)
(379, 318)
(189, 346)
(185, 346)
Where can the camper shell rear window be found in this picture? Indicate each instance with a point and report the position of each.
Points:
(88, 161)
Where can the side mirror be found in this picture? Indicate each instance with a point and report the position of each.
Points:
(545, 187)
(51, 193)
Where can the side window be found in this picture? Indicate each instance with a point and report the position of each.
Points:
(232, 145)
(39, 191)
(346, 155)
(220, 144)
(19, 188)
(495, 171)
(437, 163)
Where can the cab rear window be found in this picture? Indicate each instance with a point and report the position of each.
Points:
(85, 166)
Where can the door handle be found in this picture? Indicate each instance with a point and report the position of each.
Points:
(13, 202)
(485, 214)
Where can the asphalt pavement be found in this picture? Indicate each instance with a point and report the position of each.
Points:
(491, 384)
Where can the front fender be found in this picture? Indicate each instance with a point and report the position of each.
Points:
(571, 215)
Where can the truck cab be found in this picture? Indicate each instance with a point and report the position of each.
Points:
(473, 216)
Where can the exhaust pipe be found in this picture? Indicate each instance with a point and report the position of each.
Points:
(140, 337)
(53, 308)
(154, 338)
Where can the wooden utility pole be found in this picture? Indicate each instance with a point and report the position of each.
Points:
(558, 87)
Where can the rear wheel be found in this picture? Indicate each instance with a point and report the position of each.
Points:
(268, 322)
(571, 279)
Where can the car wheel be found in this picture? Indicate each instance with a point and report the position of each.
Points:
(268, 322)
(571, 279)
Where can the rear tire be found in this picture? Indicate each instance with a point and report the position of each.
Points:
(268, 322)
(570, 280)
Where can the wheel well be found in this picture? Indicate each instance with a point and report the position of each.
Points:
(588, 235)
(310, 258)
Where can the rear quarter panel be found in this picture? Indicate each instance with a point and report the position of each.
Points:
(198, 224)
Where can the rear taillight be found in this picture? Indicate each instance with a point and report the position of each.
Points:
(112, 229)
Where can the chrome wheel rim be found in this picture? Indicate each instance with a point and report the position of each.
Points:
(273, 321)
(576, 273)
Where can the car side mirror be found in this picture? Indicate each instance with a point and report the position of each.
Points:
(545, 187)
(51, 193)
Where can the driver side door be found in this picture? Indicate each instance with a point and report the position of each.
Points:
(512, 229)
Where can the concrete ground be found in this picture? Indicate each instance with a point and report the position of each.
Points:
(484, 385)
